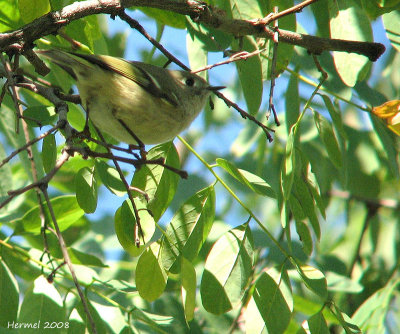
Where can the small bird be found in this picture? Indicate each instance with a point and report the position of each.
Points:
(134, 102)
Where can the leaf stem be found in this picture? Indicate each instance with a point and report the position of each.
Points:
(230, 191)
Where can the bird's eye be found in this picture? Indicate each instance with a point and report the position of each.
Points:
(189, 82)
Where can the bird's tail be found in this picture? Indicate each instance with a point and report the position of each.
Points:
(67, 61)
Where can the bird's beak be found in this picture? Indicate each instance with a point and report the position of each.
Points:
(215, 88)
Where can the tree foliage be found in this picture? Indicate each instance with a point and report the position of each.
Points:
(296, 235)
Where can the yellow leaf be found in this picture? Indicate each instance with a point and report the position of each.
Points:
(389, 112)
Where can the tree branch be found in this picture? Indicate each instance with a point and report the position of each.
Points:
(23, 38)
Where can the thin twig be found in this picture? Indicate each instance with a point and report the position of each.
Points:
(34, 171)
(242, 55)
(136, 25)
(67, 258)
(271, 106)
(292, 10)
(14, 95)
(30, 143)
(138, 231)
(246, 115)
(44, 180)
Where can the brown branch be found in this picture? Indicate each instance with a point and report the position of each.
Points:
(23, 38)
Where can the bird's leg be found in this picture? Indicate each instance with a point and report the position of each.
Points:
(140, 145)
(86, 131)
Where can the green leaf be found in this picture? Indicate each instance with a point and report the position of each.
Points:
(9, 295)
(165, 17)
(329, 139)
(78, 257)
(245, 9)
(315, 194)
(38, 116)
(125, 225)
(110, 178)
(388, 141)
(66, 211)
(292, 102)
(314, 279)
(227, 270)
(305, 237)
(285, 51)
(303, 195)
(250, 76)
(342, 283)
(10, 16)
(254, 322)
(254, 182)
(197, 54)
(335, 116)
(288, 169)
(372, 314)
(272, 295)
(206, 38)
(347, 18)
(42, 302)
(159, 183)
(296, 208)
(86, 189)
(76, 323)
(391, 21)
(188, 281)
(348, 325)
(6, 177)
(31, 10)
(189, 228)
(17, 140)
(84, 30)
(49, 152)
(316, 324)
(150, 275)
(102, 321)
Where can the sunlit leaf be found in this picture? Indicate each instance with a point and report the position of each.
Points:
(227, 270)
(9, 295)
(42, 302)
(66, 211)
(273, 297)
(31, 10)
(150, 275)
(347, 18)
(189, 228)
(314, 279)
(188, 279)
(316, 324)
(254, 182)
(156, 181)
(125, 226)
(250, 76)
